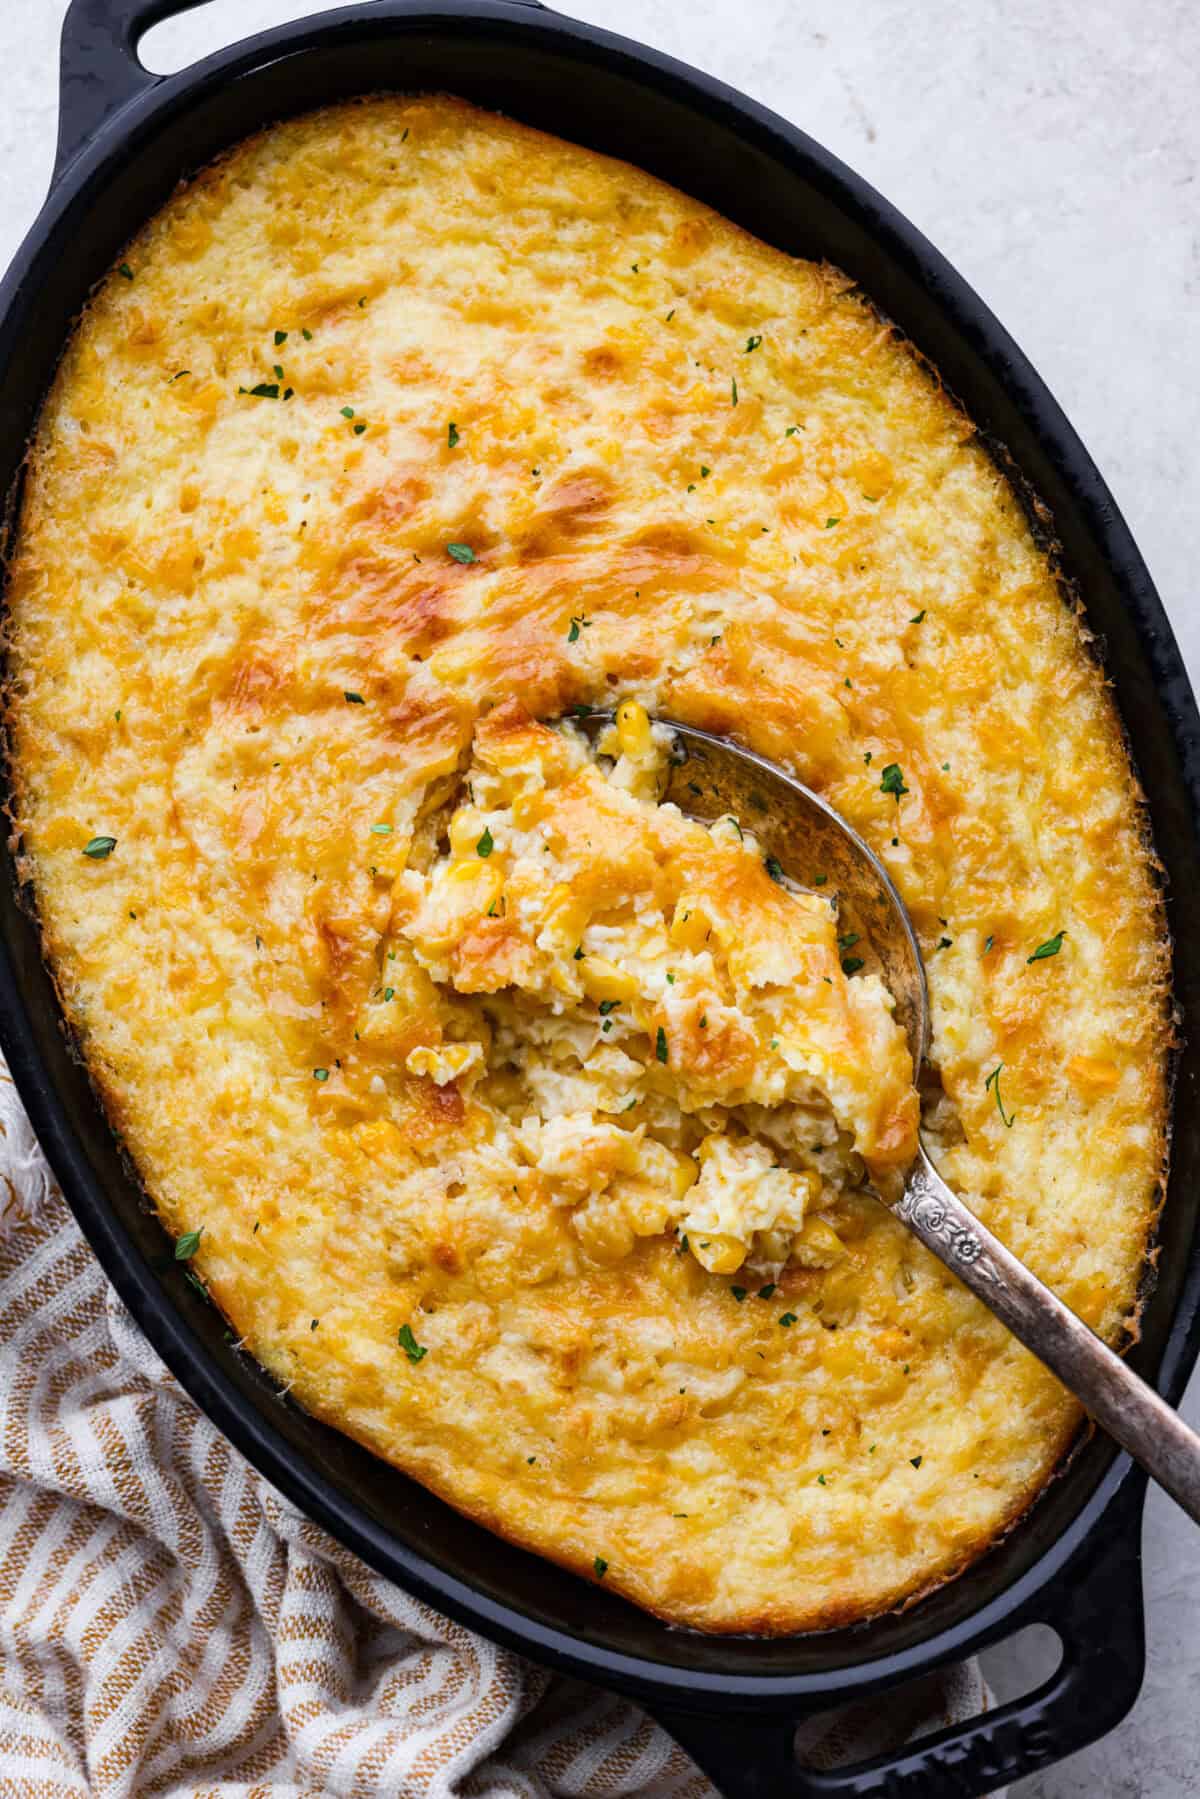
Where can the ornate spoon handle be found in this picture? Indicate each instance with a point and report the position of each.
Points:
(1117, 1398)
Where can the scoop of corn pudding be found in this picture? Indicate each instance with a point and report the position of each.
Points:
(663, 1020)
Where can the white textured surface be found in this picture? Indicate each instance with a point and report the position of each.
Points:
(1053, 154)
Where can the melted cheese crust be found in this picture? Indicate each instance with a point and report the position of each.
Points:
(677, 468)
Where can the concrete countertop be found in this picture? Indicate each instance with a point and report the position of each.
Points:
(1052, 153)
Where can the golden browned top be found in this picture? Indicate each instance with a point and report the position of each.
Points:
(400, 412)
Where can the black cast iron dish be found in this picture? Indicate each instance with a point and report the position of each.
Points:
(125, 140)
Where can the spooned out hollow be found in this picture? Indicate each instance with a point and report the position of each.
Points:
(710, 777)
(818, 850)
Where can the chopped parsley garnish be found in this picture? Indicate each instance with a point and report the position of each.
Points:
(577, 625)
(359, 428)
(320, 1074)
(820, 880)
(461, 552)
(353, 699)
(916, 1460)
(892, 781)
(739, 1293)
(918, 618)
(124, 269)
(660, 1044)
(314, 1324)
(381, 830)
(944, 942)
(416, 1352)
(752, 343)
(831, 522)
(452, 436)
(766, 1292)
(347, 412)
(820, 1480)
(306, 334)
(705, 472)
(1051, 947)
(704, 1021)
(266, 390)
(280, 338)
(733, 399)
(601, 1567)
(278, 370)
(787, 1319)
(486, 843)
(578, 957)
(99, 848)
(851, 964)
(987, 946)
(993, 1081)
(773, 869)
(848, 941)
(607, 1006)
(187, 1245)
(389, 993)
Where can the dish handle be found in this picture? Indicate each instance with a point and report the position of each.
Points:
(99, 71)
(1095, 1607)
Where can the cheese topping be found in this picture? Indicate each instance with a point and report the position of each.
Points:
(400, 416)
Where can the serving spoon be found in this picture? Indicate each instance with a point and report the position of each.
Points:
(710, 777)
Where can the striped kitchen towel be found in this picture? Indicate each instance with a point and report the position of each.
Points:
(171, 1625)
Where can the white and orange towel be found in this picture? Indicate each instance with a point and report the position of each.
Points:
(171, 1625)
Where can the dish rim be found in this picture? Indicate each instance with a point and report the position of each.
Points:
(156, 1311)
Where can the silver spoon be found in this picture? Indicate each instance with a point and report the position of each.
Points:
(710, 777)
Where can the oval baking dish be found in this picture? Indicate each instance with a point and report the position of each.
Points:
(125, 140)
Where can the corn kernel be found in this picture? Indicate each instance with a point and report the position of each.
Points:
(466, 828)
(565, 917)
(602, 979)
(684, 1175)
(718, 1253)
(633, 728)
(444, 1064)
(476, 884)
(690, 927)
(526, 809)
(818, 1245)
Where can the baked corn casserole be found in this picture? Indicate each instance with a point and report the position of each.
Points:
(533, 1133)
